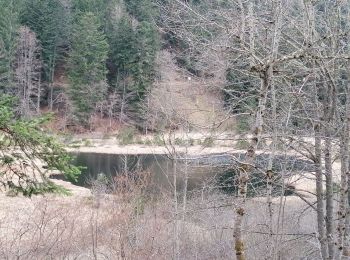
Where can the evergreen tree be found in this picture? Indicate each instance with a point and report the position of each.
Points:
(102, 9)
(143, 10)
(122, 50)
(93, 6)
(87, 66)
(23, 144)
(132, 62)
(9, 25)
(147, 44)
(50, 21)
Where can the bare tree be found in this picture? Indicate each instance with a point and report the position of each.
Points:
(295, 51)
(28, 72)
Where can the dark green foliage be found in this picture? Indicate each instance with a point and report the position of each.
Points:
(243, 124)
(9, 25)
(102, 9)
(50, 21)
(208, 142)
(132, 62)
(228, 183)
(146, 44)
(143, 10)
(93, 6)
(89, 51)
(24, 147)
(122, 48)
(146, 48)
(82, 30)
(87, 66)
(133, 53)
(35, 188)
(240, 94)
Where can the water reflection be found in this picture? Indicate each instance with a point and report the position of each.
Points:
(198, 171)
(217, 171)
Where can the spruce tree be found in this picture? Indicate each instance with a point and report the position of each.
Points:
(142, 10)
(147, 44)
(102, 9)
(24, 147)
(122, 49)
(87, 66)
(9, 25)
(133, 53)
(50, 21)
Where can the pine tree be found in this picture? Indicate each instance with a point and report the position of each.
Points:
(87, 66)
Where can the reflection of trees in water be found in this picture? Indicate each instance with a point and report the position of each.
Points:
(217, 171)
(228, 183)
(283, 167)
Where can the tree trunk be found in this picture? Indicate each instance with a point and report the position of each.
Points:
(343, 213)
(247, 166)
(329, 195)
(52, 73)
(319, 193)
(329, 109)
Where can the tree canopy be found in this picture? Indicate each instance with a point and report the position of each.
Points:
(87, 63)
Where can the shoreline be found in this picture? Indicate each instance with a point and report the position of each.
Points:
(159, 150)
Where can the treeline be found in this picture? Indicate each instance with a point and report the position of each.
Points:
(101, 52)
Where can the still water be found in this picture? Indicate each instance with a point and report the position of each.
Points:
(200, 172)
(215, 171)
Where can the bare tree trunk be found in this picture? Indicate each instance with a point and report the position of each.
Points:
(269, 172)
(329, 106)
(52, 73)
(184, 201)
(243, 22)
(246, 168)
(343, 212)
(176, 215)
(329, 195)
(251, 31)
(38, 96)
(123, 103)
(27, 72)
(248, 165)
(344, 154)
(310, 17)
(319, 192)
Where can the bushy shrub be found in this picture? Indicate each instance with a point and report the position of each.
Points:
(126, 135)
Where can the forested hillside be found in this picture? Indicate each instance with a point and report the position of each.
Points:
(248, 100)
(104, 51)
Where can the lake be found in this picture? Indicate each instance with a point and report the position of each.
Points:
(210, 171)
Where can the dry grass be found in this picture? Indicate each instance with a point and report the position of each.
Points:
(124, 225)
(181, 97)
